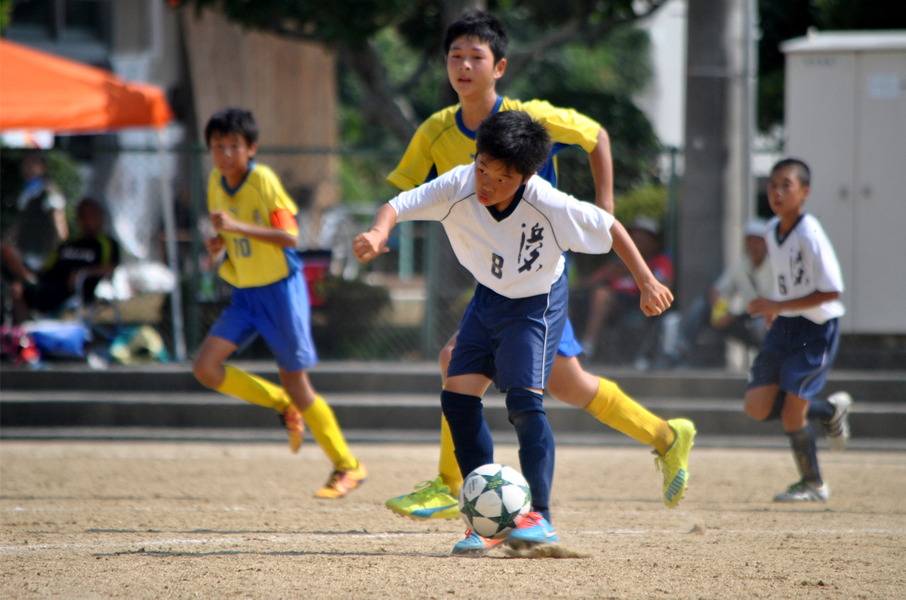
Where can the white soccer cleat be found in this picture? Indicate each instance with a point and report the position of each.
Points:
(838, 426)
(804, 492)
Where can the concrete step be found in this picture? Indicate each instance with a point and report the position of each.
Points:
(423, 378)
(202, 410)
(605, 437)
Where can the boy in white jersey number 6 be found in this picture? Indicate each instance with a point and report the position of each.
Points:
(510, 229)
(802, 321)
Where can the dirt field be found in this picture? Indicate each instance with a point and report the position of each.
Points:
(207, 520)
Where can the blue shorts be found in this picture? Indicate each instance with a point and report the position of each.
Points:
(569, 345)
(796, 355)
(280, 313)
(511, 341)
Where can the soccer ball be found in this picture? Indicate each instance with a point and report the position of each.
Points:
(493, 500)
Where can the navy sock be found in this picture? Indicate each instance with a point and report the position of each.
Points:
(536, 445)
(820, 410)
(778, 406)
(806, 455)
(472, 441)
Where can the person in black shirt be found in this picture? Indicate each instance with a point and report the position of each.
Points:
(93, 255)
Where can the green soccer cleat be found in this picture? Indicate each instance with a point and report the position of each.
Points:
(431, 500)
(675, 463)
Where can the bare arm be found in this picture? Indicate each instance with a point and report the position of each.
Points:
(59, 222)
(769, 309)
(656, 297)
(271, 235)
(602, 170)
(367, 246)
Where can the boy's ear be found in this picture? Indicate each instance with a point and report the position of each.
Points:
(500, 68)
(527, 177)
(253, 149)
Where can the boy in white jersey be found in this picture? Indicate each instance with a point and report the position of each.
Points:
(510, 229)
(802, 322)
(475, 49)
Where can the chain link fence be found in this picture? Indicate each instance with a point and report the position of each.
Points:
(402, 306)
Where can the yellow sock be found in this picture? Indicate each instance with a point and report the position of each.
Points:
(448, 467)
(322, 423)
(254, 389)
(614, 408)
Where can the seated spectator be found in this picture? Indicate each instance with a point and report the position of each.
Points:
(613, 293)
(724, 308)
(86, 259)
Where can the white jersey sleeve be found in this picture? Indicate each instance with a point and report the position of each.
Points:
(517, 253)
(804, 262)
(432, 201)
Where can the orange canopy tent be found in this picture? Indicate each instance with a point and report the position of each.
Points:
(40, 91)
(43, 91)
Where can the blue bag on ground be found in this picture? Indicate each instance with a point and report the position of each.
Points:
(59, 337)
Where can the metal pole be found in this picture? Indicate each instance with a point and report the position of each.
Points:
(751, 38)
(407, 251)
(672, 242)
(166, 198)
(432, 274)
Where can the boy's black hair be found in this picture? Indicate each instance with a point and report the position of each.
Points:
(515, 138)
(89, 202)
(232, 120)
(483, 26)
(38, 156)
(803, 173)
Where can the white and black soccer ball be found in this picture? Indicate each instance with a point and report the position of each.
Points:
(493, 500)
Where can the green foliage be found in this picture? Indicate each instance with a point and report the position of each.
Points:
(648, 200)
(65, 174)
(330, 22)
(597, 81)
(595, 70)
(860, 14)
(363, 178)
(6, 13)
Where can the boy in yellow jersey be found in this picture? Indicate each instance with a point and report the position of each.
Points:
(475, 50)
(255, 222)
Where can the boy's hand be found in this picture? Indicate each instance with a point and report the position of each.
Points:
(762, 307)
(224, 222)
(213, 245)
(656, 298)
(369, 245)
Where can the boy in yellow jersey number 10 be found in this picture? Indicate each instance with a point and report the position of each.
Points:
(256, 233)
(475, 49)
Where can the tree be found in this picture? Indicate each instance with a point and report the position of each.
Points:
(349, 29)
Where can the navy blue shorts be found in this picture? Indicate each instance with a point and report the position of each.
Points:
(511, 341)
(796, 355)
(280, 313)
(569, 345)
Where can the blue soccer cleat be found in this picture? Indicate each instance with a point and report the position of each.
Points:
(474, 545)
(532, 530)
